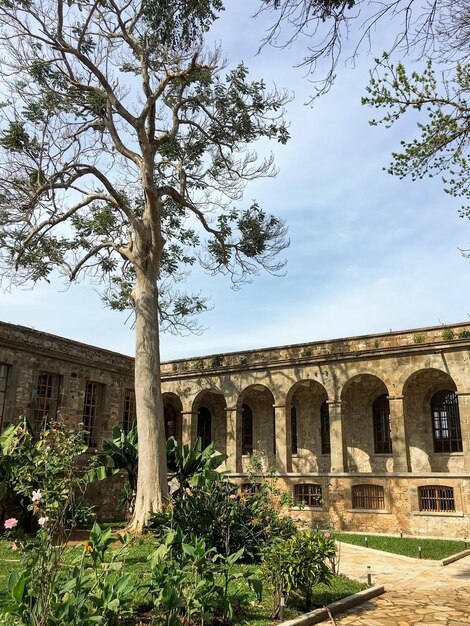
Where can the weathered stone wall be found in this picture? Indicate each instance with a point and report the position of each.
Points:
(409, 367)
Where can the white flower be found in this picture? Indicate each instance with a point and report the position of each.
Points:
(36, 495)
(42, 520)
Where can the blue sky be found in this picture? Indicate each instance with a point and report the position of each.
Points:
(368, 252)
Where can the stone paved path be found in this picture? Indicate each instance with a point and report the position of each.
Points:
(417, 592)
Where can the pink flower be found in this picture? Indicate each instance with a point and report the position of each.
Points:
(36, 495)
(11, 523)
(327, 534)
(14, 546)
(42, 520)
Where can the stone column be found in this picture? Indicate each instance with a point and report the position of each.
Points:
(401, 457)
(234, 460)
(187, 428)
(280, 437)
(338, 444)
(464, 412)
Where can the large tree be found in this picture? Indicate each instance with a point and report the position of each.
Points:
(125, 148)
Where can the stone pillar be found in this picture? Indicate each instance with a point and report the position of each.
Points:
(234, 460)
(280, 437)
(187, 428)
(401, 457)
(464, 412)
(337, 441)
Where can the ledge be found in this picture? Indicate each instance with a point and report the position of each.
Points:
(319, 615)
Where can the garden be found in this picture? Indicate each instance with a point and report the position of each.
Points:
(212, 556)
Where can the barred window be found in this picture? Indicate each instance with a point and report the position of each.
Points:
(325, 428)
(250, 489)
(308, 494)
(368, 497)
(129, 415)
(47, 400)
(446, 422)
(293, 429)
(436, 498)
(381, 424)
(204, 426)
(247, 429)
(91, 412)
(3, 390)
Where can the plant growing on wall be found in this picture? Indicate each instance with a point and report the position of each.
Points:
(125, 147)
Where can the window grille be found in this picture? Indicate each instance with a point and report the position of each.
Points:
(293, 429)
(368, 497)
(47, 400)
(446, 422)
(381, 423)
(247, 429)
(308, 494)
(204, 426)
(129, 415)
(436, 498)
(4, 369)
(91, 412)
(325, 428)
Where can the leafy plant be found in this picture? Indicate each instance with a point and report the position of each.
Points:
(419, 337)
(448, 334)
(465, 334)
(297, 565)
(192, 466)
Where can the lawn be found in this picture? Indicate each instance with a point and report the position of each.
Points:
(249, 610)
(431, 549)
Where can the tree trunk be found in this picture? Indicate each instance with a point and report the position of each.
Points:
(152, 483)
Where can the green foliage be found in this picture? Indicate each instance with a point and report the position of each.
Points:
(297, 565)
(419, 337)
(208, 506)
(192, 466)
(465, 334)
(448, 334)
(84, 590)
(190, 582)
(441, 147)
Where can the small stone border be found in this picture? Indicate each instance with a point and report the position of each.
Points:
(401, 557)
(320, 615)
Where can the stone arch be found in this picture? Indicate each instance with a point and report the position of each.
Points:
(173, 415)
(357, 401)
(306, 397)
(209, 418)
(259, 400)
(418, 390)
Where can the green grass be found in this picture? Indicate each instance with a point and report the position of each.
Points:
(248, 610)
(431, 549)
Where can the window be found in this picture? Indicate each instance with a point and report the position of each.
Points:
(436, 498)
(91, 412)
(325, 428)
(3, 390)
(47, 400)
(368, 497)
(293, 429)
(204, 426)
(247, 429)
(381, 425)
(446, 422)
(308, 494)
(171, 421)
(129, 415)
(250, 489)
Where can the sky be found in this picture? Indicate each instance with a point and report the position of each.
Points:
(368, 253)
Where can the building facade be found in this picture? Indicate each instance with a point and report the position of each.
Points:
(369, 433)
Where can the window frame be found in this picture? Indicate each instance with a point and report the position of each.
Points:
(381, 425)
(247, 429)
(3, 391)
(204, 426)
(368, 497)
(442, 495)
(308, 495)
(294, 441)
(445, 418)
(129, 413)
(325, 437)
(91, 412)
(46, 405)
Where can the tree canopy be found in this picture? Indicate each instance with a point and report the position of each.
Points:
(125, 151)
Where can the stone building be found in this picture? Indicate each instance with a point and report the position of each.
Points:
(369, 433)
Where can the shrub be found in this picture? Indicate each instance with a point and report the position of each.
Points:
(448, 334)
(297, 564)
